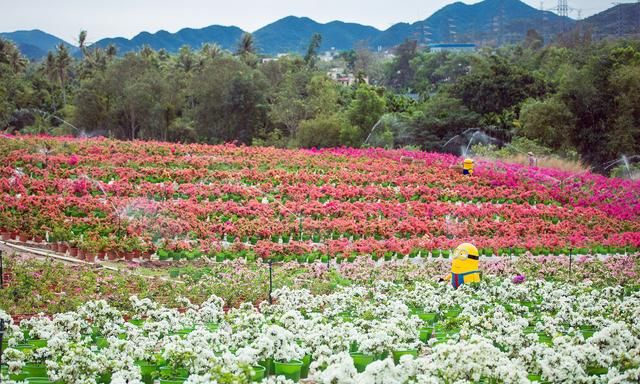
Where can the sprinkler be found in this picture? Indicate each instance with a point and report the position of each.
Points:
(2, 328)
(570, 259)
(270, 280)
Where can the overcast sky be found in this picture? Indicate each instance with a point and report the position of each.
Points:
(126, 18)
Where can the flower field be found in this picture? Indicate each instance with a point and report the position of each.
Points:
(496, 332)
(355, 243)
(102, 199)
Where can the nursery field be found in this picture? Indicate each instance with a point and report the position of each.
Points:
(104, 199)
(141, 262)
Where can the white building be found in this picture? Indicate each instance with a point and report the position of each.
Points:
(453, 47)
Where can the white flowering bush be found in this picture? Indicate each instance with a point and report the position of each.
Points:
(494, 332)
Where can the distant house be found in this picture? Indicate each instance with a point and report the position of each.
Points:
(340, 76)
(452, 47)
(329, 55)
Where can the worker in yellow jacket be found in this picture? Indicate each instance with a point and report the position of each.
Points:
(464, 267)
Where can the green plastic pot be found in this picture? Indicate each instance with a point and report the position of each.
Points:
(147, 371)
(536, 379)
(398, 354)
(587, 331)
(428, 317)
(268, 364)
(441, 337)
(258, 373)
(39, 343)
(290, 369)
(306, 363)
(360, 361)
(425, 334)
(212, 326)
(35, 370)
(453, 313)
(18, 377)
(101, 342)
(544, 338)
(137, 322)
(185, 331)
(597, 371)
(24, 348)
(40, 380)
(180, 373)
(104, 378)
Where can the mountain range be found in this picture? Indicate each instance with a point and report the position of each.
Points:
(489, 22)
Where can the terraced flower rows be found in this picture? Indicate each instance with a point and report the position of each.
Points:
(182, 201)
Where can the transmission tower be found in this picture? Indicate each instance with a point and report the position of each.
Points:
(563, 11)
(543, 26)
(422, 35)
(453, 35)
(638, 16)
(563, 8)
(619, 20)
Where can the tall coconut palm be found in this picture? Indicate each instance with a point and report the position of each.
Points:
(10, 54)
(246, 45)
(62, 64)
(247, 50)
(112, 51)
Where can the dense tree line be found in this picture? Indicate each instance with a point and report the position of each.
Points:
(575, 96)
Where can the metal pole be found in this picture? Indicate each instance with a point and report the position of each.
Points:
(270, 280)
(1, 271)
(1, 340)
(570, 259)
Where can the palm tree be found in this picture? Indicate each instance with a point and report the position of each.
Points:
(146, 51)
(50, 67)
(247, 50)
(186, 59)
(211, 51)
(82, 38)
(246, 45)
(62, 64)
(10, 54)
(312, 51)
(112, 51)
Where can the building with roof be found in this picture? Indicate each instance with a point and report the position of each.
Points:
(452, 47)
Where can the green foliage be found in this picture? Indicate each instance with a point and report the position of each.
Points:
(324, 131)
(497, 86)
(364, 112)
(440, 118)
(518, 146)
(399, 72)
(231, 101)
(433, 70)
(547, 121)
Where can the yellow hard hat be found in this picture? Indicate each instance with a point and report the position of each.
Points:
(465, 250)
(468, 161)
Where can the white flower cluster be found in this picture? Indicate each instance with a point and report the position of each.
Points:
(495, 332)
